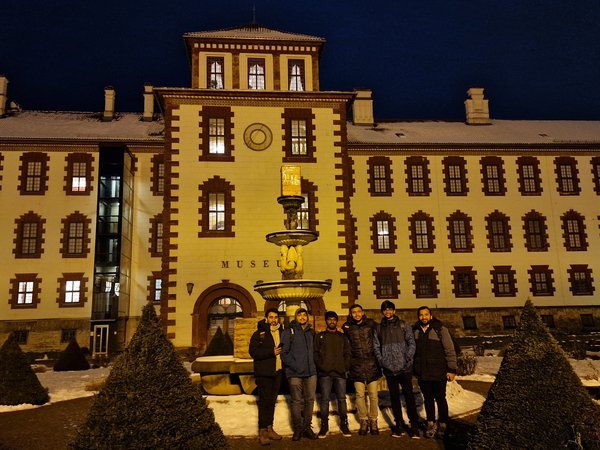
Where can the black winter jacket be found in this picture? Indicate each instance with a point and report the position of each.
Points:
(262, 350)
(394, 346)
(363, 365)
(332, 354)
(435, 356)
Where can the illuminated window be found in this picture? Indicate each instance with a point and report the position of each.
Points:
(25, 291)
(72, 290)
(256, 73)
(298, 127)
(540, 278)
(503, 281)
(217, 208)
(296, 74)
(215, 73)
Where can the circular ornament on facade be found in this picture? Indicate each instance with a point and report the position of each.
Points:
(258, 136)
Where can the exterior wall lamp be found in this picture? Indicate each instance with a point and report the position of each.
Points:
(190, 287)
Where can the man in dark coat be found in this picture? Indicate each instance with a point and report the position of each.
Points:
(435, 364)
(395, 349)
(265, 349)
(332, 358)
(364, 370)
(298, 359)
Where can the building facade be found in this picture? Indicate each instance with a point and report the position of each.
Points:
(107, 211)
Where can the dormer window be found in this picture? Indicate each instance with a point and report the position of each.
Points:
(256, 73)
(296, 74)
(215, 73)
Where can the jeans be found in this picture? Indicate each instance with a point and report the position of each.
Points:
(302, 391)
(394, 383)
(268, 389)
(361, 401)
(435, 391)
(338, 384)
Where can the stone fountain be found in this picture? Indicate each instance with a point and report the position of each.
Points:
(293, 288)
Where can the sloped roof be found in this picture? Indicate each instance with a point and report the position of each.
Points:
(79, 125)
(253, 32)
(499, 132)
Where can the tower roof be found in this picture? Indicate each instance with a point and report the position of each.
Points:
(253, 32)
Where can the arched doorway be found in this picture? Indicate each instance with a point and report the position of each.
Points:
(221, 314)
(238, 298)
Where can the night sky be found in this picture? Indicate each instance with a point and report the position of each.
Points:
(536, 59)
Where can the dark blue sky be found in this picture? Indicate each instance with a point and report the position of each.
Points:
(536, 59)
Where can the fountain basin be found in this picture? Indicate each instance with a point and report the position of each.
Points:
(292, 237)
(290, 290)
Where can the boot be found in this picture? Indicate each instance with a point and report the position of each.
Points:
(297, 435)
(344, 427)
(263, 437)
(272, 434)
(364, 427)
(309, 433)
(441, 430)
(374, 427)
(324, 428)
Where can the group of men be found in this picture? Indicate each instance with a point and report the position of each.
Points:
(361, 352)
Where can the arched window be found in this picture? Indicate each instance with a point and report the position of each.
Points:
(221, 314)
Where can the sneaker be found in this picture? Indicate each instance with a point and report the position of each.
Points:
(398, 430)
(344, 428)
(431, 430)
(441, 430)
(309, 433)
(297, 435)
(415, 433)
(374, 427)
(324, 429)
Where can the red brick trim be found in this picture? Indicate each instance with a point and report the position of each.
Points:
(467, 276)
(417, 243)
(493, 178)
(29, 218)
(289, 115)
(13, 293)
(380, 184)
(376, 245)
(38, 181)
(216, 112)
(417, 184)
(216, 185)
(534, 224)
(460, 233)
(530, 182)
(574, 235)
(567, 175)
(85, 238)
(498, 232)
(508, 275)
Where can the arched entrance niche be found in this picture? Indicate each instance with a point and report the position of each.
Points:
(316, 308)
(205, 301)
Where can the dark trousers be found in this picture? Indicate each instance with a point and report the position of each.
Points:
(435, 392)
(394, 383)
(268, 390)
(302, 392)
(338, 384)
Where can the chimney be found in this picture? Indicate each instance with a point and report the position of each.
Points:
(3, 90)
(109, 104)
(478, 112)
(362, 108)
(148, 103)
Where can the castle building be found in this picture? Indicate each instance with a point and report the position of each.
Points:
(104, 212)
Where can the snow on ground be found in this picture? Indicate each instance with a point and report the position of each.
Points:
(238, 414)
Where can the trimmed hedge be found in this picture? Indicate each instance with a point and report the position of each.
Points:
(71, 358)
(149, 401)
(537, 400)
(18, 383)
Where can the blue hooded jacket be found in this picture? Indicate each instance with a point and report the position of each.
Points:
(297, 353)
(394, 346)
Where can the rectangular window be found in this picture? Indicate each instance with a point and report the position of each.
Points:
(425, 282)
(298, 137)
(536, 236)
(580, 278)
(216, 136)
(548, 320)
(33, 176)
(509, 322)
(386, 283)
(469, 323)
(216, 211)
(528, 179)
(256, 73)
(541, 281)
(25, 293)
(459, 235)
(68, 335)
(417, 179)
(566, 178)
(157, 290)
(21, 336)
(383, 235)
(79, 177)
(492, 179)
(296, 74)
(498, 234)
(75, 238)
(422, 235)
(380, 179)
(386, 288)
(573, 234)
(215, 73)
(465, 283)
(72, 291)
(455, 179)
(29, 238)
(503, 280)
(303, 215)
(529, 175)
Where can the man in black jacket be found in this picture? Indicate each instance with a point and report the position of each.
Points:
(265, 350)
(435, 364)
(364, 370)
(332, 357)
(395, 349)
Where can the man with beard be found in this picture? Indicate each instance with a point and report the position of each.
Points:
(332, 357)
(364, 370)
(395, 349)
(435, 364)
(265, 349)
(298, 359)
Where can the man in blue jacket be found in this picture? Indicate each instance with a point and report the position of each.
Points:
(395, 349)
(297, 355)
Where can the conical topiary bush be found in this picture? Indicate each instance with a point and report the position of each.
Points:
(18, 383)
(537, 400)
(149, 401)
(71, 358)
